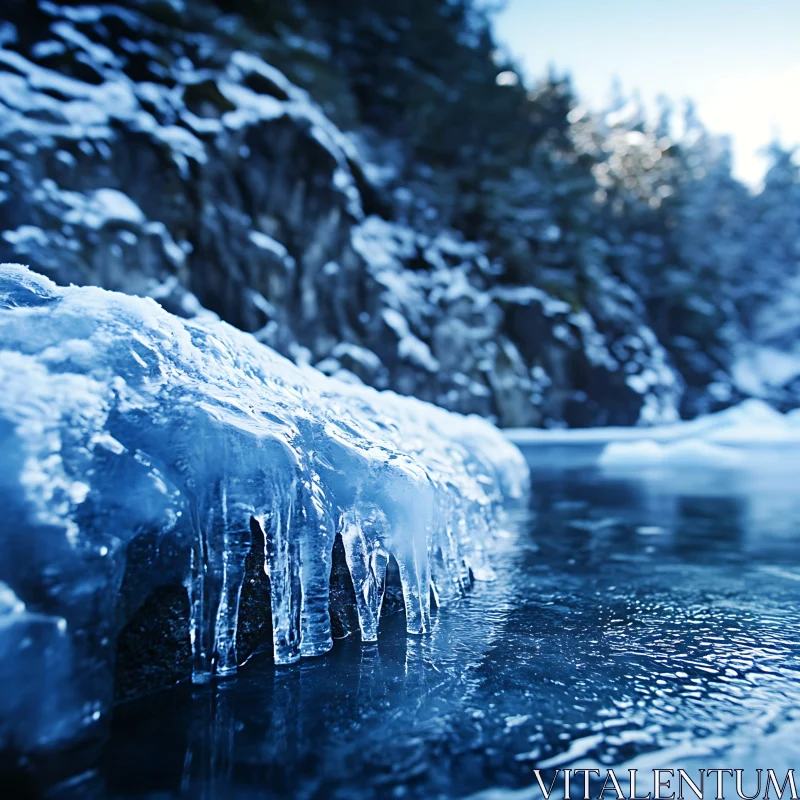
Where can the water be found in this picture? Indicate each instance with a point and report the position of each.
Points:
(645, 620)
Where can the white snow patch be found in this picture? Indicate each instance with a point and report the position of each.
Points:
(683, 453)
(759, 369)
(730, 438)
(409, 347)
(264, 242)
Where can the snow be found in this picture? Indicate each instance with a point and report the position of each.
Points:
(619, 347)
(252, 107)
(45, 105)
(683, 453)
(734, 438)
(758, 369)
(527, 295)
(101, 207)
(360, 355)
(264, 242)
(409, 347)
(117, 419)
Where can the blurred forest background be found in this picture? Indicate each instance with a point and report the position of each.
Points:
(369, 187)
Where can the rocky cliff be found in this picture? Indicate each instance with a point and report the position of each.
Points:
(154, 150)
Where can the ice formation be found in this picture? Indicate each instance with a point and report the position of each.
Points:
(117, 418)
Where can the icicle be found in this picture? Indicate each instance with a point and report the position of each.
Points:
(367, 559)
(315, 533)
(221, 521)
(200, 629)
(447, 561)
(412, 522)
(235, 535)
(282, 565)
(415, 578)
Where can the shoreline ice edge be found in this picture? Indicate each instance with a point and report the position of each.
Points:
(120, 421)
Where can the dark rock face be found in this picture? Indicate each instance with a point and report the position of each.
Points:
(153, 649)
(152, 155)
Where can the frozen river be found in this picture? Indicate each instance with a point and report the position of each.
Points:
(643, 618)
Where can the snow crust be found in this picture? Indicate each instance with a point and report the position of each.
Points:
(117, 418)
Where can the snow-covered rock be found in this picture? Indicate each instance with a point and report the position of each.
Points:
(146, 153)
(147, 457)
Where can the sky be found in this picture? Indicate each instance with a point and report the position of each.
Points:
(739, 60)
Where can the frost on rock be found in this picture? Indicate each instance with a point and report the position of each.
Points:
(125, 428)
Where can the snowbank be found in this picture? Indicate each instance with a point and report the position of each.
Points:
(683, 453)
(730, 438)
(727, 439)
(122, 425)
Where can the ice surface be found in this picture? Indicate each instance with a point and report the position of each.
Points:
(118, 419)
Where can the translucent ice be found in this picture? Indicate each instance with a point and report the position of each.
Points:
(120, 422)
